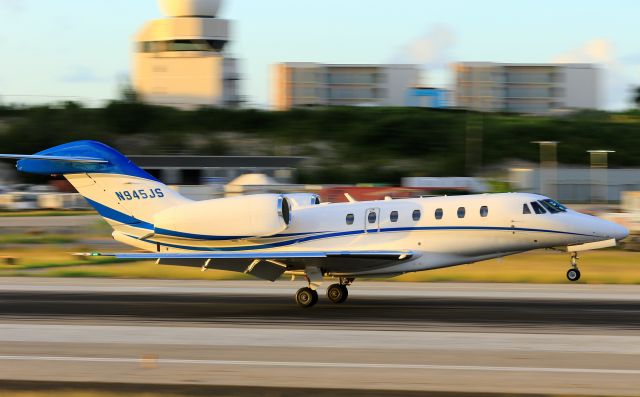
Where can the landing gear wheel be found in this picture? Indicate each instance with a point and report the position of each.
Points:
(337, 293)
(306, 297)
(573, 275)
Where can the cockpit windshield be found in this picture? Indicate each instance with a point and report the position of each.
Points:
(542, 207)
(554, 204)
(551, 206)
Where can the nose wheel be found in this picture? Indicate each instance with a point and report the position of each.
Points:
(573, 274)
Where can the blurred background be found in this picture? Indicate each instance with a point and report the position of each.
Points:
(221, 98)
(409, 98)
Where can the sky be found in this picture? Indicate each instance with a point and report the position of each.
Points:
(53, 50)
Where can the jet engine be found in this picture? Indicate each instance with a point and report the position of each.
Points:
(298, 200)
(226, 218)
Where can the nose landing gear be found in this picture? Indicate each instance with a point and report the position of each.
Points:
(573, 274)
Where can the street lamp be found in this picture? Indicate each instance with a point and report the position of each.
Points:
(548, 167)
(599, 167)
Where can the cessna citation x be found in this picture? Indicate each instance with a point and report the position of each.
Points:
(268, 235)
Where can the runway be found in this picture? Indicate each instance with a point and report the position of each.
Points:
(394, 337)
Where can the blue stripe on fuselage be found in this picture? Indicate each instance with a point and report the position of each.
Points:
(207, 237)
(349, 233)
(118, 216)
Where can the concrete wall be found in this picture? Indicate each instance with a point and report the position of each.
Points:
(577, 185)
(178, 80)
(399, 79)
(582, 87)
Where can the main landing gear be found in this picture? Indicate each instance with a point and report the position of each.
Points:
(337, 293)
(306, 297)
(573, 274)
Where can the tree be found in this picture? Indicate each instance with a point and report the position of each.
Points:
(636, 97)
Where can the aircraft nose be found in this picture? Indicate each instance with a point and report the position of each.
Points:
(616, 231)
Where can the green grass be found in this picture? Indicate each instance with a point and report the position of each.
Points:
(598, 267)
(44, 259)
(38, 239)
(22, 214)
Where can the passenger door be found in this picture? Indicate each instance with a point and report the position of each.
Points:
(372, 220)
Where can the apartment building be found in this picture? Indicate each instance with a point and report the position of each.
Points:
(314, 84)
(526, 88)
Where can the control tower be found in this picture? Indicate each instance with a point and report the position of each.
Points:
(180, 61)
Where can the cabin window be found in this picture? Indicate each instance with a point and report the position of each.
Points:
(416, 215)
(484, 211)
(350, 219)
(439, 213)
(537, 208)
(525, 209)
(461, 212)
(394, 216)
(372, 217)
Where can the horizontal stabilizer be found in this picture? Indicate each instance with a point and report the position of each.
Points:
(67, 159)
(397, 255)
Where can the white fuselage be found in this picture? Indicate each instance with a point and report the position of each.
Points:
(471, 229)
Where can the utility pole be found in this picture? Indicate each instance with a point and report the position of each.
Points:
(599, 175)
(473, 144)
(548, 170)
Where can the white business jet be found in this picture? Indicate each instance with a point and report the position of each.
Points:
(268, 235)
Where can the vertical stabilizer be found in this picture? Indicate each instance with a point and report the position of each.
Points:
(121, 192)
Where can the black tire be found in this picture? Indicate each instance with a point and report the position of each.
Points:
(306, 297)
(573, 275)
(337, 293)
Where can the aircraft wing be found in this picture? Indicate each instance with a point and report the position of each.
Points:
(400, 255)
(270, 265)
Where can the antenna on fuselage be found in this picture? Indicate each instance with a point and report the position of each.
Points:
(350, 198)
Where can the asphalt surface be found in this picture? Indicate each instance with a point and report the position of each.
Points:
(249, 337)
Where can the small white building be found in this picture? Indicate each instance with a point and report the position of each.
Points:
(180, 60)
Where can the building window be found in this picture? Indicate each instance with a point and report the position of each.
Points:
(439, 213)
(394, 216)
(373, 217)
(461, 212)
(416, 215)
(350, 219)
(484, 211)
(537, 208)
(525, 209)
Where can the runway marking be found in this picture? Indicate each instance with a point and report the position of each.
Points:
(308, 364)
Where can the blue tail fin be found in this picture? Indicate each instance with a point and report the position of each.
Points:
(119, 190)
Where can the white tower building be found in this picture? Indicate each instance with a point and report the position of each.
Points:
(180, 61)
